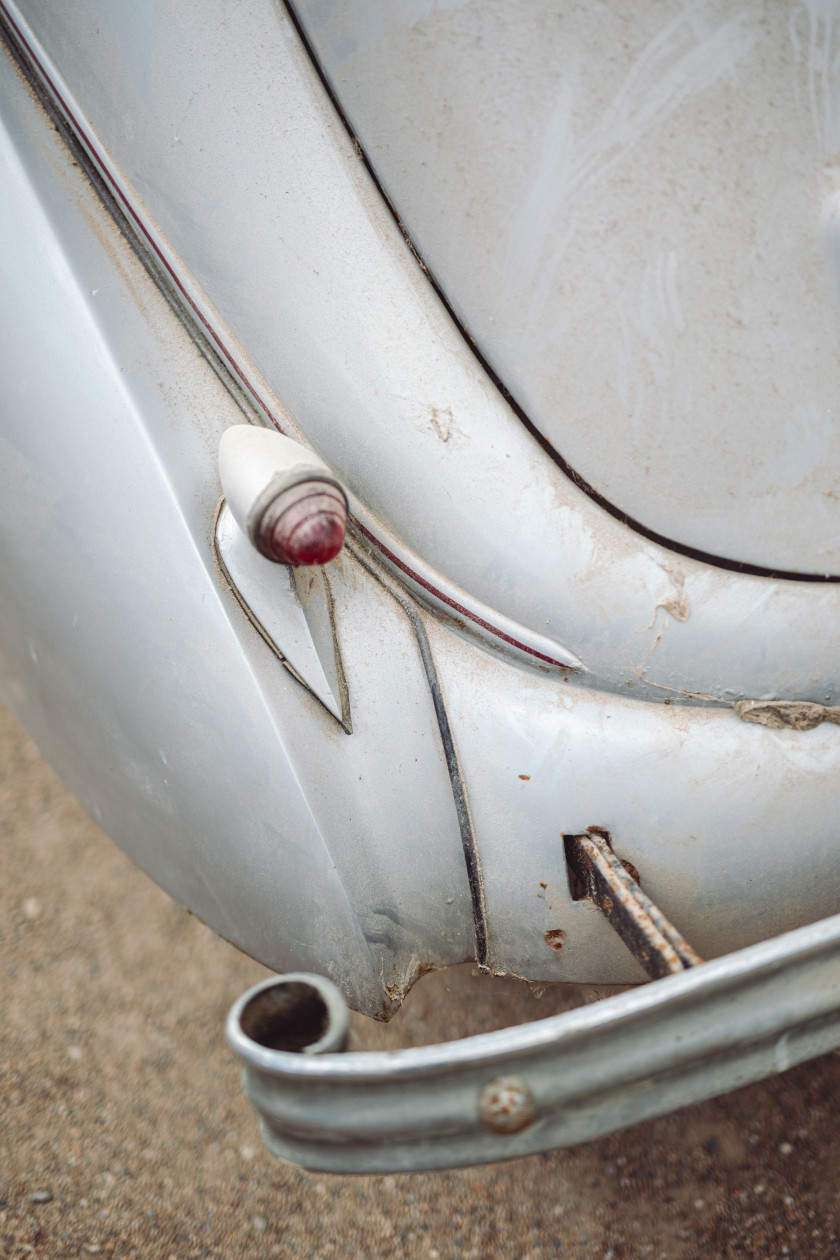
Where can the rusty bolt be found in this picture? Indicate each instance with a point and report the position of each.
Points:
(506, 1105)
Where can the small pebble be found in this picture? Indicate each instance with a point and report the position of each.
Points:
(41, 1196)
(247, 1152)
(74, 1053)
(93, 1249)
(785, 1148)
(32, 908)
(259, 1222)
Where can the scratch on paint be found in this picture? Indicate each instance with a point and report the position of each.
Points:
(676, 605)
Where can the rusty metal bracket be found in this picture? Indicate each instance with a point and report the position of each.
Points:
(603, 878)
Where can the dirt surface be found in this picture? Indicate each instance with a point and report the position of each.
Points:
(124, 1132)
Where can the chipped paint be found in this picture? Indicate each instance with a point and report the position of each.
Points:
(796, 715)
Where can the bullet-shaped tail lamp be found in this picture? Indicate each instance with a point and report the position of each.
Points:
(282, 496)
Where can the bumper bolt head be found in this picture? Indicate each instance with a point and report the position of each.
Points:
(506, 1105)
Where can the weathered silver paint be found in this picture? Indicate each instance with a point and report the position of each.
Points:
(700, 800)
(337, 320)
(129, 661)
(587, 1072)
(634, 208)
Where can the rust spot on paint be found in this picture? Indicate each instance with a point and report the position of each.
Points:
(525, 776)
(555, 938)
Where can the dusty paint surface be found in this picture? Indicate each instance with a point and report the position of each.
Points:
(633, 210)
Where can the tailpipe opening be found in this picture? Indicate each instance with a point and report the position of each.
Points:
(298, 1013)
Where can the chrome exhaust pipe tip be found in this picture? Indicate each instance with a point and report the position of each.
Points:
(297, 1013)
(272, 1029)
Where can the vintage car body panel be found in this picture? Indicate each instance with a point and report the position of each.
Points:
(316, 300)
(633, 209)
(519, 663)
(131, 664)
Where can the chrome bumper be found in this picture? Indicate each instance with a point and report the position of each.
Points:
(554, 1082)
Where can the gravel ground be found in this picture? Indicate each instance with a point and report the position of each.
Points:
(123, 1131)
